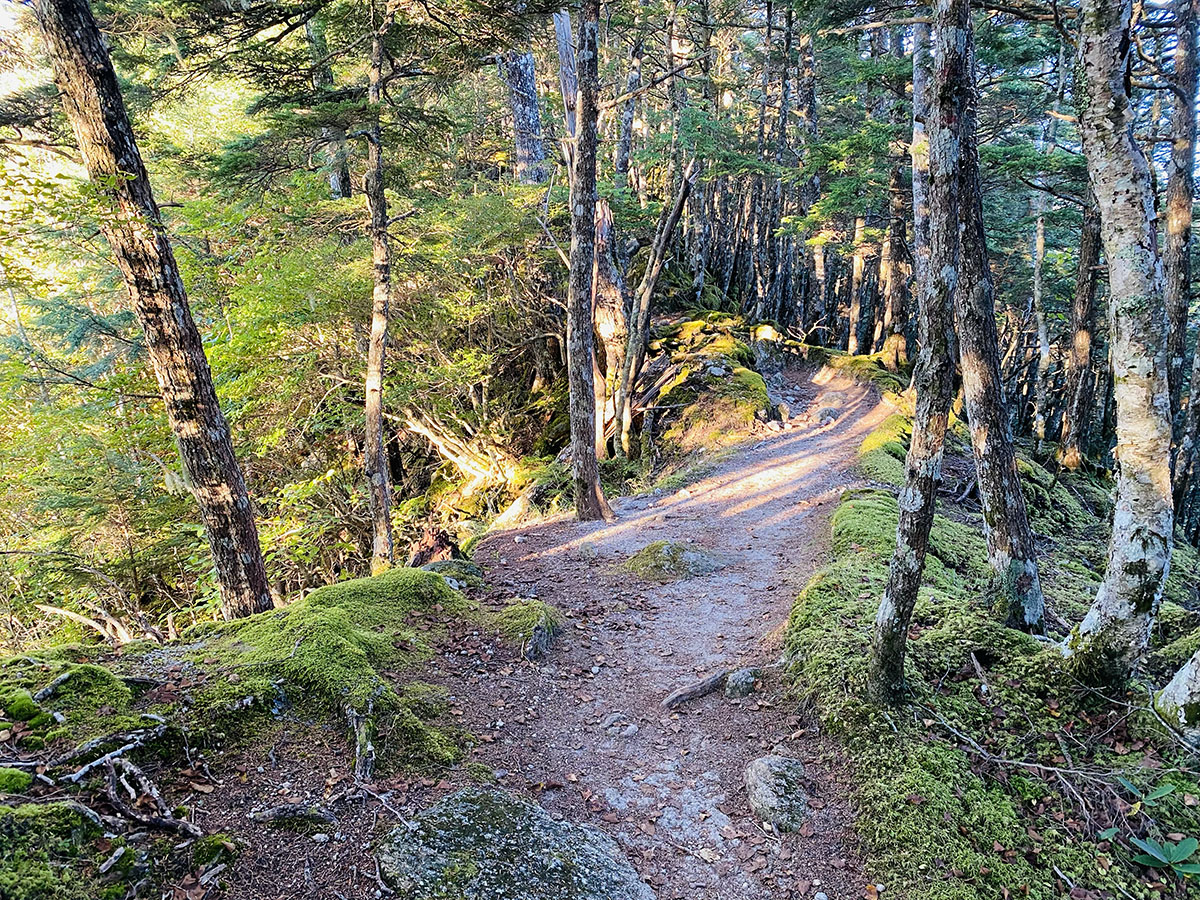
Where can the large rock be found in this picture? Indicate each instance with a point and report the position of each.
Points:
(481, 844)
(775, 789)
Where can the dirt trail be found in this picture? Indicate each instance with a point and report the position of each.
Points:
(583, 730)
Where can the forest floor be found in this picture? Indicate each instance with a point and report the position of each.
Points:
(582, 730)
(670, 791)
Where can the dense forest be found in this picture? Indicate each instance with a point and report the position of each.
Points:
(420, 417)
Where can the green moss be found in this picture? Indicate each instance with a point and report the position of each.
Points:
(14, 781)
(463, 571)
(521, 620)
(19, 705)
(671, 560)
(881, 454)
(938, 819)
(869, 369)
(212, 849)
(330, 651)
(53, 850)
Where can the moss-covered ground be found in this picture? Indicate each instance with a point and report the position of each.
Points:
(1003, 777)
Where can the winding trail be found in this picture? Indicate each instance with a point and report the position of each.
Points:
(583, 729)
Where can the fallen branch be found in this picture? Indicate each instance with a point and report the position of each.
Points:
(701, 688)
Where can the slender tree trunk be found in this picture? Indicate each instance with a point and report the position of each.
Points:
(612, 330)
(92, 100)
(1049, 145)
(1009, 537)
(568, 82)
(891, 263)
(590, 502)
(1077, 411)
(934, 374)
(1107, 645)
(332, 137)
(857, 285)
(633, 81)
(520, 74)
(639, 330)
(1181, 187)
(375, 464)
(919, 152)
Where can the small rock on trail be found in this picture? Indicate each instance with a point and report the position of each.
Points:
(775, 789)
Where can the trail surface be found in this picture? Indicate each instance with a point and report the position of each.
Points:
(583, 729)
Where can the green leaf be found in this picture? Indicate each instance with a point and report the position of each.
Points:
(1144, 860)
(1159, 792)
(1152, 847)
(1129, 786)
(1187, 868)
(1108, 834)
(1181, 851)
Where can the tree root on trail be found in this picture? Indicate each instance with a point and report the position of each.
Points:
(129, 741)
(694, 691)
(163, 820)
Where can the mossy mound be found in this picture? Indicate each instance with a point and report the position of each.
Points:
(870, 369)
(881, 455)
(971, 790)
(331, 651)
(14, 781)
(61, 695)
(54, 850)
(715, 394)
(530, 624)
(670, 561)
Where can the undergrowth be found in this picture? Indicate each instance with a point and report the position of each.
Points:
(1002, 777)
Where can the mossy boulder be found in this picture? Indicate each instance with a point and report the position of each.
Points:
(775, 788)
(480, 844)
(672, 560)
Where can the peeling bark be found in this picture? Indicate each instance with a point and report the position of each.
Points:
(1109, 642)
(520, 75)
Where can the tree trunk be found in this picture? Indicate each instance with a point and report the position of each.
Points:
(520, 74)
(1077, 411)
(857, 270)
(379, 487)
(612, 331)
(633, 81)
(894, 345)
(919, 152)
(1009, 537)
(92, 100)
(568, 83)
(934, 375)
(589, 497)
(1049, 144)
(333, 138)
(1107, 645)
(640, 325)
(1179, 702)
(1180, 194)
